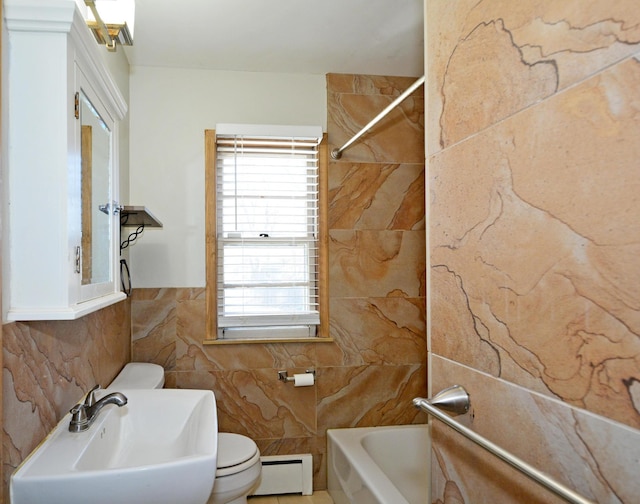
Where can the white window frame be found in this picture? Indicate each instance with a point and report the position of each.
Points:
(221, 327)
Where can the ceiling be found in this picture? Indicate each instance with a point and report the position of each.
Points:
(371, 37)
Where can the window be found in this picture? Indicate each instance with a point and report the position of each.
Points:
(266, 242)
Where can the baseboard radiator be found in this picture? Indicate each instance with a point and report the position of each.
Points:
(286, 474)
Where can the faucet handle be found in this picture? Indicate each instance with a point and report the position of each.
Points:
(90, 398)
(79, 420)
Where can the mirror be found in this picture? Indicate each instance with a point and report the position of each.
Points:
(96, 213)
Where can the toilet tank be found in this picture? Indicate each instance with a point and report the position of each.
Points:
(139, 375)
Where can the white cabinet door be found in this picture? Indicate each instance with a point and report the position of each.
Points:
(64, 109)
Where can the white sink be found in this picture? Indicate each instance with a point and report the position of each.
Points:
(161, 447)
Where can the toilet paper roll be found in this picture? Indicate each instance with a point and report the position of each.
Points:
(303, 380)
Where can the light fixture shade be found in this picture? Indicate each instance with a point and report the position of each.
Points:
(118, 16)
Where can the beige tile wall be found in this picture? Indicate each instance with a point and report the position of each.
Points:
(49, 366)
(534, 121)
(377, 287)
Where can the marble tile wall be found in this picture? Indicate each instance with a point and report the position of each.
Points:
(49, 366)
(533, 180)
(377, 287)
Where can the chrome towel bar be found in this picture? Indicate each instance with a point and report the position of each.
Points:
(456, 400)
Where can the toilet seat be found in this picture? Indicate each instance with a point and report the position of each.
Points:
(235, 453)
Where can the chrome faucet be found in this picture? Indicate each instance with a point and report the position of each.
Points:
(83, 414)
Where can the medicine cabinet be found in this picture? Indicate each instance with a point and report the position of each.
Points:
(62, 238)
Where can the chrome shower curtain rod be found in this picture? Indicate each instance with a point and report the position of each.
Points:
(337, 153)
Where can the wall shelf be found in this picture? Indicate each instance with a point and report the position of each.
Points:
(138, 216)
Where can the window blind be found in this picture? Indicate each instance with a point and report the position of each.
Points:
(267, 235)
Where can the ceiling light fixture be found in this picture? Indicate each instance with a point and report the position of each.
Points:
(114, 23)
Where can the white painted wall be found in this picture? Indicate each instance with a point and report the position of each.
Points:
(169, 110)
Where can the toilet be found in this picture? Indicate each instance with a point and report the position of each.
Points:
(239, 467)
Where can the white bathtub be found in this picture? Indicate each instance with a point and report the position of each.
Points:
(378, 465)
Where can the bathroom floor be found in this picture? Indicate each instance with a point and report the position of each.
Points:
(320, 497)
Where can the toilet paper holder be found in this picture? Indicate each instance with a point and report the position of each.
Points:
(284, 375)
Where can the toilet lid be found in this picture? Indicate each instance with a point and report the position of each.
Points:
(234, 449)
(139, 375)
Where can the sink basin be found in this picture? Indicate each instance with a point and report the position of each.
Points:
(159, 448)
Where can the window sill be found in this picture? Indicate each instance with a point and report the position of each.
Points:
(265, 341)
